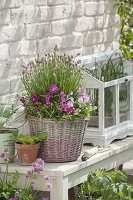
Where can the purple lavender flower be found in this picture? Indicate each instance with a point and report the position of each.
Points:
(53, 88)
(34, 97)
(23, 102)
(25, 66)
(13, 198)
(47, 99)
(35, 108)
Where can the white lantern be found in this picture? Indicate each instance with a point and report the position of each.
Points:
(114, 98)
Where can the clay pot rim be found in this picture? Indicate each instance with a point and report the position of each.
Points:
(19, 143)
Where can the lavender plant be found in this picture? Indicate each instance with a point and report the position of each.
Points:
(52, 86)
(8, 182)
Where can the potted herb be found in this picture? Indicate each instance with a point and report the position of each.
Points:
(27, 147)
(5, 133)
(55, 103)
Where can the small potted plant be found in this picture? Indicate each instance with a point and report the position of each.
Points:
(27, 147)
(6, 133)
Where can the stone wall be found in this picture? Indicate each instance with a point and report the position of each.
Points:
(31, 27)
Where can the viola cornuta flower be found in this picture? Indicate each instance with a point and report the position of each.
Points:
(34, 98)
(53, 88)
(47, 99)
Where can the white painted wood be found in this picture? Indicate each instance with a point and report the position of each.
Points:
(59, 189)
(101, 111)
(117, 104)
(67, 175)
(131, 100)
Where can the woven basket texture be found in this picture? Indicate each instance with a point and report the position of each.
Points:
(64, 141)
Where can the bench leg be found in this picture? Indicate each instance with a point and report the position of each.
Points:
(59, 190)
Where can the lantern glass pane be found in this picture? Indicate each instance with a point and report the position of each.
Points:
(109, 106)
(94, 118)
(124, 101)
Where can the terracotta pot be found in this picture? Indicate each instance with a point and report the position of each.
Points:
(27, 153)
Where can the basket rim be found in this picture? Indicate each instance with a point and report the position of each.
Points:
(55, 120)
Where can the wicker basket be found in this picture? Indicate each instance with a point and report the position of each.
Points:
(64, 141)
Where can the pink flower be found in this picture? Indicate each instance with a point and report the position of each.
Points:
(6, 159)
(2, 155)
(46, 177)
(33, 181)
(6, 150)
(49, 185)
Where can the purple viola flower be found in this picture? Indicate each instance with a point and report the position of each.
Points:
(34, 98)
(53, 88)
(64, 107)
(47, 100)
(71, 110)
(91, 101)
(12, 198)
(81, 100)
(70, 102)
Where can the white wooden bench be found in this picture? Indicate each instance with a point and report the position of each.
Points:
(67, 175)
